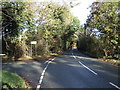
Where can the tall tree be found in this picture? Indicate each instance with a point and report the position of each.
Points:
(105, 17)
(16, 16)
(55, 25)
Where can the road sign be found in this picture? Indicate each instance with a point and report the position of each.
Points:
(33, 42)
(2, 54)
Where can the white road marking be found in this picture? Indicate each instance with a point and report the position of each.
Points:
(85, 66)
(96, 73)
(73, 56)
(47, 61)
(53, 59)
(88, 68)
(6, 63)
(114, 85)
(38, 86)
(72, 53)
(43, 73)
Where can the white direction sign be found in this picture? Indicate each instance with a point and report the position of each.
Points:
(33, 42)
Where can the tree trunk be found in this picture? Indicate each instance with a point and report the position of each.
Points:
(106, 53)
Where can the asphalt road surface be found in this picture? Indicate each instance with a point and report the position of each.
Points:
(69, 70)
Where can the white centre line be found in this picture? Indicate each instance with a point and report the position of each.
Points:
(6, 63)
(47, 61)
(74, 56)
(114, 85)
(43, 73)
(85, 66)
(88, 68)
(96, 73)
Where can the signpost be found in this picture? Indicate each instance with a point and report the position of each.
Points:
(2, 54)
(32, 42)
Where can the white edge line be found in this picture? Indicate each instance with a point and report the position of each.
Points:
(88, 68)
(43, 73)
(114, 85)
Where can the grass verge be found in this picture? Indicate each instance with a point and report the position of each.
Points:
(28, 58)
(12, 80)
(110, 61)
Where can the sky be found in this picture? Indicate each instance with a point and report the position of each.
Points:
(81, 10)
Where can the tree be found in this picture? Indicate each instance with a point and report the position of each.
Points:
(22, 24)
(104, 17)
(16, 16)
(56, 25)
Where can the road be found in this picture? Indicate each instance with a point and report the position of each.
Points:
(69, 70)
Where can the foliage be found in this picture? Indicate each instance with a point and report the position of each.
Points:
(55, 28)
(91, 46)
(12, 80)
(17, 49)
(16, 16)
(104, 19)
(56, 25)
(53, 31)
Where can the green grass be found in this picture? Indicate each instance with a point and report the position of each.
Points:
(12, 80)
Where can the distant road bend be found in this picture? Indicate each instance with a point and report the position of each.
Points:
(69, 70)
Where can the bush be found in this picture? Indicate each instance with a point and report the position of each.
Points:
(91, 46)
(14, 48)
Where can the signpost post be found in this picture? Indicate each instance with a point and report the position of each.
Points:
(32, 42)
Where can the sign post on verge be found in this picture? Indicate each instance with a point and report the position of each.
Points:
(32, 42)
